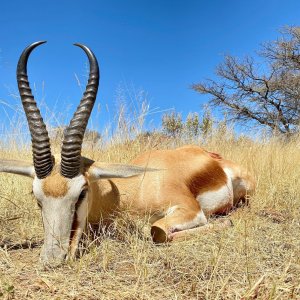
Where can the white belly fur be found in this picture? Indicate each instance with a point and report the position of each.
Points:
(214, 201)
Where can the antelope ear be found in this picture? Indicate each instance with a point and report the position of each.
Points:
(17, 167)
(106, 171)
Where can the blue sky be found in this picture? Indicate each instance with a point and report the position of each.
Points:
(161, 47)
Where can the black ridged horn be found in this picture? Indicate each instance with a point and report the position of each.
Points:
(73, 136)
(42, 159)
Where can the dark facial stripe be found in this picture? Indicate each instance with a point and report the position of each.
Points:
(75, 225)
(75, 222)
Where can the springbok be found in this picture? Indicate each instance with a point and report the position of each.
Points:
(178, 188)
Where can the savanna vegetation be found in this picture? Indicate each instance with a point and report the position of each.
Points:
(257, 258)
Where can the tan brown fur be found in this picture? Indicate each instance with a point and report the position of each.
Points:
(183, 174)
(106, 200)
(55, 185)
(163, 227)
(74, 237)
(212, 177)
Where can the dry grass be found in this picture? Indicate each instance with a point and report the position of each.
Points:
(258, 258)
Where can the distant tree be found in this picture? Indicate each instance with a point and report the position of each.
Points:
(172, 124)
(267, 93)
(192, 125)
(206, 124)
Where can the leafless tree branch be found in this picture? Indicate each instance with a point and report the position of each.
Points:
(270, 97)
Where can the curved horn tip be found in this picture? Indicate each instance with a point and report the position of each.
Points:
(80, 45)
(39, 43)
(91, 56)
(33, 45)
(22, 63)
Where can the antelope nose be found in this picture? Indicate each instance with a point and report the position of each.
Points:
(53, 258)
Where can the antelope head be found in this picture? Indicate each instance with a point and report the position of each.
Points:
(61, 188)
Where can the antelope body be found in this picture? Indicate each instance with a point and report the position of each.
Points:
(178, 188)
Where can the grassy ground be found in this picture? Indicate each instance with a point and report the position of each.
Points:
(257, 258)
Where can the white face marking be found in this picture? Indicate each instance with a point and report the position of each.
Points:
(58, 215)
(214, 201)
